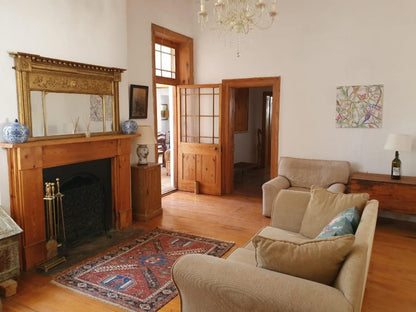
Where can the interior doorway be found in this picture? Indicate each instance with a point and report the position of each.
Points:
(252, 139)
(231, 114)
(172, 64)
(165, 150)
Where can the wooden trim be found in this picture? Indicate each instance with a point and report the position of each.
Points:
(265, 160)
(184, 74)
(227, 120)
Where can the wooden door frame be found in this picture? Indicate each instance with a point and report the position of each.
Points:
(184, 75)
(227, 121)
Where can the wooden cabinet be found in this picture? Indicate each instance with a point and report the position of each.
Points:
(146, 191)
(393, 195)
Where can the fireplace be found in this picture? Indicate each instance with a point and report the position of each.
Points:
(87, 201)
(27, 162)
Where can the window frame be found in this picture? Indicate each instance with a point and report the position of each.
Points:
(172, 45)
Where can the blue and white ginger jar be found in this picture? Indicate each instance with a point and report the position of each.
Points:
(129, 127)
(15, 132)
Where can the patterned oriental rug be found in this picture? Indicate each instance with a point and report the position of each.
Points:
(136, 275)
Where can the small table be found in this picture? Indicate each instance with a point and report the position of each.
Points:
(393, 195)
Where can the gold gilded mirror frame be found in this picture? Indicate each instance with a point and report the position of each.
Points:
(38, 73)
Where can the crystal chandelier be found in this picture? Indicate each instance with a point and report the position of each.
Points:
(239, 16)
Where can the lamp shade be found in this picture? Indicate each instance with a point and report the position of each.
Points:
(146, 135)
(399, 142)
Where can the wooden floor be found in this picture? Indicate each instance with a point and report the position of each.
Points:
(391, 282)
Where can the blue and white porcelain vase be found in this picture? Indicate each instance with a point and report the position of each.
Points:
(15, 132)
(129, 127)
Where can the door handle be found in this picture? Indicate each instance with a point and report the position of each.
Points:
(215, 148)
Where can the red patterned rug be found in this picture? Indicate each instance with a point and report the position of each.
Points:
(136, 275)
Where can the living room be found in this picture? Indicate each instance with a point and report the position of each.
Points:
(313, 46)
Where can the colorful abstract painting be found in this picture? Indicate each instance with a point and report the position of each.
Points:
(359, 106)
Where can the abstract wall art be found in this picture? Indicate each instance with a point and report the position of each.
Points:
(359, 106)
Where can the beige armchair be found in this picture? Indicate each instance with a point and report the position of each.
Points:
(207, 284)
(300, 174)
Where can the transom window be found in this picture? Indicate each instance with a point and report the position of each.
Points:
(165, 61)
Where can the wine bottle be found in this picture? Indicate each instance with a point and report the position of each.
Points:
(396, 167)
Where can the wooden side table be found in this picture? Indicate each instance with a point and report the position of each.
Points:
(146, 191)
(393, 195)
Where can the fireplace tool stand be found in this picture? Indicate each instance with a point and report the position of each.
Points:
(55, 225)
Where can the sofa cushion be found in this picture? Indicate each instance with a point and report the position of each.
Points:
(325, 205)
(307, 172)
(276, 233)
(243, 255)
(317, 260)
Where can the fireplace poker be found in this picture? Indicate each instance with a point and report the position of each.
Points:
(60, 204)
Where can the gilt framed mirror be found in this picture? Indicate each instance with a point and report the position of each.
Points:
(58, 98)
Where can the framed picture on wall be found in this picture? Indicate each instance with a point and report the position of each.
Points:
(164, 112)
(138, 102)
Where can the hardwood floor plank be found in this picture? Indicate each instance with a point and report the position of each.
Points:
(391, 284)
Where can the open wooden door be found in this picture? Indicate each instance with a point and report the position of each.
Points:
(198, 137)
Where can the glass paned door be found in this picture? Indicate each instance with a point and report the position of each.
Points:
(199, 159)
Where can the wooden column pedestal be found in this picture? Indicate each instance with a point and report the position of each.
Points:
(146, 191)
(26, 163)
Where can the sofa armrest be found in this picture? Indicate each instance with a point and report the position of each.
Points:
(207, 283)
(337, 188)
(288, 210)
(270, 191)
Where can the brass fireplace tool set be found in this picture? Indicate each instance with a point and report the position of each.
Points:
(55, 225)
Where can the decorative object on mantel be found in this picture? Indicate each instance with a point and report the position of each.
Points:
(398, 143)
(143, 281)
(129, 127)
(46, 86)
(238, 16)
(147, 137)
(15, 132)
(9, 247)
(359, 106)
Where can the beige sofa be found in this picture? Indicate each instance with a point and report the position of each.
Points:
(207, 283)
(299, 174)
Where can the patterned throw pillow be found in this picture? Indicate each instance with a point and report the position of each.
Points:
(353, 216)
(346, 222)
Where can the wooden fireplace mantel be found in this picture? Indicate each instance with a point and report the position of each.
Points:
(26, 163)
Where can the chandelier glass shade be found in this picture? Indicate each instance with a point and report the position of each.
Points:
(239, 16)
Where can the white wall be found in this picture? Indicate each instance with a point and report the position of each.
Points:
(93, 31)
(316, 46)
(176, 15)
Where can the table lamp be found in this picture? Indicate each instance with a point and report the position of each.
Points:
(147, 137)
(398, 142)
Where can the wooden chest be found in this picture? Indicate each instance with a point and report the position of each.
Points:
(9, 247)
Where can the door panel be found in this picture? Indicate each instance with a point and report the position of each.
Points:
(199, 143)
